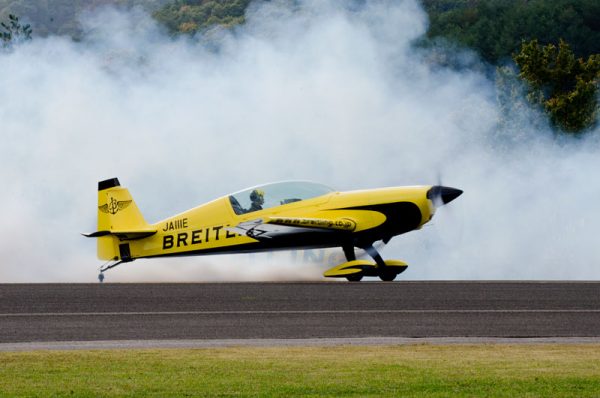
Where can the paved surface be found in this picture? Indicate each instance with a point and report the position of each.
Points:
(222, 311)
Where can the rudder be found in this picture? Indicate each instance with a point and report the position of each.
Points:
(117, 213)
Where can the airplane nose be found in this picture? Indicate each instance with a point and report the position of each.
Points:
(445, 195)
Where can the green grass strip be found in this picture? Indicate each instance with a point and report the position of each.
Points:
(409, 371)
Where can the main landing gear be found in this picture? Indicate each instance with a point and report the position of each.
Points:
(354, 278)
(354, 270)
(386, 270)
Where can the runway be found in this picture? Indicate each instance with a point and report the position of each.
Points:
(239, 311)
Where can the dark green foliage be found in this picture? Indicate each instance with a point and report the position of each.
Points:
(13, 32)
(190, 16)
(562, 80)
(564, 86)
(495, 28)
(512, 105)
(61, 17)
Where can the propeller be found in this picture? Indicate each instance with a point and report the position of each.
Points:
(441, 195)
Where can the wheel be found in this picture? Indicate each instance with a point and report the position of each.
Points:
(387, 276)
(354, 278)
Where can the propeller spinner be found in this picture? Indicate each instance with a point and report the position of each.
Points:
(441, 195)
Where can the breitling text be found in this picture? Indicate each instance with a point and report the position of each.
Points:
(196, 237)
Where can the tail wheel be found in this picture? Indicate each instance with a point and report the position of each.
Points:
(387, 276)
(354, 278)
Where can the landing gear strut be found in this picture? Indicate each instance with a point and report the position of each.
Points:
(351, 256)
(354, 270)
(383, 271)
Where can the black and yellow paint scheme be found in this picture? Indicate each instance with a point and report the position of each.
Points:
(277, 216)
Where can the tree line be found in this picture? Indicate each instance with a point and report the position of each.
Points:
(13, 32)
(61, 17)
(555, 45)
(191, 16)
(496, 28)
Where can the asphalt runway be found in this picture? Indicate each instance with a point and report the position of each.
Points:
(333, 310)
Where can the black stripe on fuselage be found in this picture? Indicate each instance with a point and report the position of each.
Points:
(401, 217)
(313, 240)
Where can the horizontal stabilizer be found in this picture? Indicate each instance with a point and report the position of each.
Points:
(123, 235)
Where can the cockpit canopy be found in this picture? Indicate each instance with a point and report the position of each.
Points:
(275, 194)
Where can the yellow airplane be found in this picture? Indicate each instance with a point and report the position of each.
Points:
(277, 216)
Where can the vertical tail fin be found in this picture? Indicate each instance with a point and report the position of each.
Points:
(119, 219)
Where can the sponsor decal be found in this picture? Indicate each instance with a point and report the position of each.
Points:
(176, 224)
(196, 237)
(345, 224)
(113, 206)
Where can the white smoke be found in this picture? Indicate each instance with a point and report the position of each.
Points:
(315, 90)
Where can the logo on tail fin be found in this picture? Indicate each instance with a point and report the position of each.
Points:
(114, 206)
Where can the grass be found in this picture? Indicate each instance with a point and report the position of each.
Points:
(408, 371)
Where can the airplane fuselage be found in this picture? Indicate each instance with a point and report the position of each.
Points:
(278, 216)
(378, 213)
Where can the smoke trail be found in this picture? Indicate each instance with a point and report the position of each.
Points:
(315, 90)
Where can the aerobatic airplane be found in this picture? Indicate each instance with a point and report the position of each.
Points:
(277, 216)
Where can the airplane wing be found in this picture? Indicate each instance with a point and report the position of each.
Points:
(273, 227)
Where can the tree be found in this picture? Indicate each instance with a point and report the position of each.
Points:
(14, 32)
(495, 28)
(566, 87)
(191, 16)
